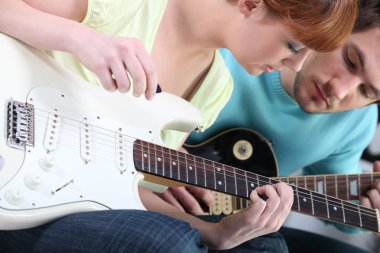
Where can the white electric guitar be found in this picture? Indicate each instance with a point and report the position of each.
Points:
(67, 146)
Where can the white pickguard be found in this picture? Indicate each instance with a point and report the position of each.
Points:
(82, 157)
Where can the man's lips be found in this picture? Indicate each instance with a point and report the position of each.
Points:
(321, 94)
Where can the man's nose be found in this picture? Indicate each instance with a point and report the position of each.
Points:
(342, 87)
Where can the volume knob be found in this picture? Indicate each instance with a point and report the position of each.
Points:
(47, 163)
(32, 182)
(13, 196)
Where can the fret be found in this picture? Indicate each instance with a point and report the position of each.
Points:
(301, 183)
(155, 159)
(214, 171)
(142, 155)
(360, 217)
(352, 215)
(292, 181)
(310, 183)
(191, 171)
(253, 182)
(335, 210)
(202, 179)
(327, 207)
(342, 187)
(200, 171)
(343, 212)
(230, 179)
(168, 161)
(303, 203)
(158, 161)
(336, 186)
(320, 205)
(330, 185)
(297, 198)
(150, 159)
(236, 192)
(369, 218)
(174, 161)
(365, 181)
(225, 181)
(219, 178)
(210, 174)
(347, 187)
(241, 183)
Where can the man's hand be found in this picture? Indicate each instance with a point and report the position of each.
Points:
(189, 199)
(372, 197)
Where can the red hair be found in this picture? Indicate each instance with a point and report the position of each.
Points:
(321, 25)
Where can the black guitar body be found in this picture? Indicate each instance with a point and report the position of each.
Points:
(239, 147)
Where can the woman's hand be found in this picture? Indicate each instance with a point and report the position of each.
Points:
(117, 61)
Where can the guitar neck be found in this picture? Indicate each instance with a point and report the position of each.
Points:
(190, 169)
(346, 187)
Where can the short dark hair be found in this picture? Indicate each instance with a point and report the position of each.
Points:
(369, 15)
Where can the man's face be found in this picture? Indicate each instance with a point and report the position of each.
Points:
(344, 79)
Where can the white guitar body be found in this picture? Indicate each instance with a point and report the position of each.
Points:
(73, 151)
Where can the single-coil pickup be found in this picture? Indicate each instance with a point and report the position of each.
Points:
(86, 142)
(121, 151)
(51, 133)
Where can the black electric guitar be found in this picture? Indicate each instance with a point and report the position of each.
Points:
(248, 150)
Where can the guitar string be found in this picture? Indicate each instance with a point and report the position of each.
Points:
(324, 200)
(265, 182)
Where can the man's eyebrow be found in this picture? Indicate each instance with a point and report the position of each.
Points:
(360, 54)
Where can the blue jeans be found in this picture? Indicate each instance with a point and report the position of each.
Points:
(269, 243)
(106, 231)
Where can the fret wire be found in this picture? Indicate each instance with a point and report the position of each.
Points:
(196, 172)
(214, 175)
(347, 186)
(360, 216)
(298, 200)
(359, 186)
(204, 168)
(246, 182)
(235, 180)
(327, 207)
(325, 179)
(170, 164)
(179, 169)
(244, 175)
(224, 176)
(344, 214)
(336, 186)
(163, 161)
(312, 203)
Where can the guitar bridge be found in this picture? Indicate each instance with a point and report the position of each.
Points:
(20, 127)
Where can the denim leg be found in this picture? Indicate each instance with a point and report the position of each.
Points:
(270, 243)
(106, 231)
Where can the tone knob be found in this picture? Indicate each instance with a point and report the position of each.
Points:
(13, 196)
(32, 182)
(47, 163)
